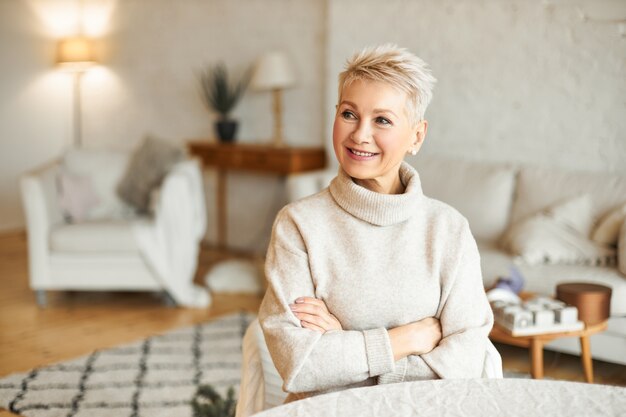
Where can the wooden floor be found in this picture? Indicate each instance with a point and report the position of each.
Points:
(76, 323)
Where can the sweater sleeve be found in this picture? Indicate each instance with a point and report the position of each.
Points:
(466, 320)
(306, 359)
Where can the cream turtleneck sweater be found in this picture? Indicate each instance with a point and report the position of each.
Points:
(378, 261)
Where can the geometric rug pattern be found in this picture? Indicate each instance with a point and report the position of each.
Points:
(157, 376)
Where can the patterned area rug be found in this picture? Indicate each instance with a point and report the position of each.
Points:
(157, 376)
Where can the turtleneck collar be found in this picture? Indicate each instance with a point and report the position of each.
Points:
(376, 208)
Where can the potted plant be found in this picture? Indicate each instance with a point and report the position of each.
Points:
(209, 403)
(221, 96)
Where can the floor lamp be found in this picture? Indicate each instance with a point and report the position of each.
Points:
(273, 72)
(76, 55)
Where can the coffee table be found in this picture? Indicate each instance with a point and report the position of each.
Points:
(536, 342)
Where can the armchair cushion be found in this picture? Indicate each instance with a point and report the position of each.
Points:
(76, 196)
(113, 236)
(104, 167)
(148, 166)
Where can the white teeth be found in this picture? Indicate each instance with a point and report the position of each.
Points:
(361, 153)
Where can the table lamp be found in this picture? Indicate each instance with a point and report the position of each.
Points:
(76, 55)
(274, 72)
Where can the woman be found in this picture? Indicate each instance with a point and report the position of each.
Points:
(370, 281)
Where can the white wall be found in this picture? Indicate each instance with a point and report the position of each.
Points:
(152, 52)
(524, 81)
(34, 103)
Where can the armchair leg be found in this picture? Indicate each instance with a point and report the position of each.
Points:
(168, 301)
(42, 299)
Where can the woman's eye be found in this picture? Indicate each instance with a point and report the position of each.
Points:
(348, 115)
(383, 121)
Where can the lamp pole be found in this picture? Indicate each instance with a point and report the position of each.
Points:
(78, 125)
(76, 55)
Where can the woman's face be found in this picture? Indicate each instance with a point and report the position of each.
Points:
(372, 133)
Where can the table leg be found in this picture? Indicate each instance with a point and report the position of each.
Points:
(221, 208)
(536, 358)
(585, 356)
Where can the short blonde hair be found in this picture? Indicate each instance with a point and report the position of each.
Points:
(395, 66)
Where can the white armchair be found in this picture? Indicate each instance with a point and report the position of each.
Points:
(135, 253)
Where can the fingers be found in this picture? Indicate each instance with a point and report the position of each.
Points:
(313, 319)
(426, 335)
(309, 309)
(315, 314)
(312, 326)
(311, 300)
(312, 314)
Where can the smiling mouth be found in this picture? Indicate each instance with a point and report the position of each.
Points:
(359, 153)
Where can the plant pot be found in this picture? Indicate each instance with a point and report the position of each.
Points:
(226, 130)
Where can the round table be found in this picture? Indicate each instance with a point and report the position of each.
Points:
(463, 398)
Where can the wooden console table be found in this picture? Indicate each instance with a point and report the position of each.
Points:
(265, 159)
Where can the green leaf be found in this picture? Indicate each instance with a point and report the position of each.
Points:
(209, 403)
(221, 95)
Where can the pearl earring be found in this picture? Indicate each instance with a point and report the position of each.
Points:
(413, 152)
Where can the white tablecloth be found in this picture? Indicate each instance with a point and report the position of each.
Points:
(464, 398)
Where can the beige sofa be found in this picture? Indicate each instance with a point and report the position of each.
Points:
(494, 196)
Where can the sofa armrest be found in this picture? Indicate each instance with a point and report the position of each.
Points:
(39, 199)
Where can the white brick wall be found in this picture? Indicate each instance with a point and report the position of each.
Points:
(524, 81)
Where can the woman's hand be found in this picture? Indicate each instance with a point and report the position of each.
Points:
(415, 338)
(313, 314)
(427, 335)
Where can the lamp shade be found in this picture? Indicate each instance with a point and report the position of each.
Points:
(273, 71)
(75, 53)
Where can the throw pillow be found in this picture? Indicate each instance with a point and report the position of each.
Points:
(575, 213)
(76, 196)
(556, 236)
(608, 229)
(149, 164)
(104, 167)
(621, 249)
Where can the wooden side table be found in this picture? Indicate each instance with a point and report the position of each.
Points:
(536, 342)
(258, 158)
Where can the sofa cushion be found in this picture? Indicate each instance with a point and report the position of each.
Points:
(538, 188)
(104, 167)
(558, 236)
(543, 279)
(481, 192)
(94, 236)
(149, 164)
(574, 213)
